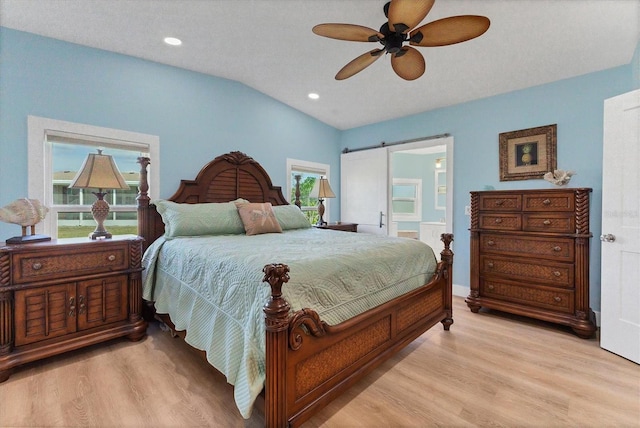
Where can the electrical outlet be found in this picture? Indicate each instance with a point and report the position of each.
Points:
(467, 210)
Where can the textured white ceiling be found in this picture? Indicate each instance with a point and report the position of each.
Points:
(268, 45)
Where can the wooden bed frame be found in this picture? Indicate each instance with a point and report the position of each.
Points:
(308, 363)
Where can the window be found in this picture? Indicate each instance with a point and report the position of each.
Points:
(56, 152)
(309, 173)
(406, 199)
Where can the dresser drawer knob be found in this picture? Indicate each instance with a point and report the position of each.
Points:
(490, 287)
(558, 299)
(546, 222)
(111, 258)
(546, 202)
(557, 274)
(37, 266)
(491, 243)
(490, 265)
(498, 220)
(557, 249)
(499, 202)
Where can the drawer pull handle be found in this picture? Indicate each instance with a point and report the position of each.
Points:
(490, 287)
(557, 249)
(72, 306)
(546, 222)
(82, 305)
(111, 258)
(490, 265)
(557, 274)
(499, 202)
(491, 243)
(546, 202)
(498, 220)
(37, 266)
(557, 299)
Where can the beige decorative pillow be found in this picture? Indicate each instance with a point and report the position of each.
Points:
(258, 218)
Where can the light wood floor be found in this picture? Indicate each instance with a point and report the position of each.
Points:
(491, 369)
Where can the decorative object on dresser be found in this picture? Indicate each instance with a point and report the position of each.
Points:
(347, 227)
(323, 191)
(27, 213)
(530, 255)
(99, 172)
(67, 294)
(528, 153)
(559, 177)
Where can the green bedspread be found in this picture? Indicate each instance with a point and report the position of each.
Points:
(214, 284)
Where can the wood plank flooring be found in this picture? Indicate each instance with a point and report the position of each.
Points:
(491, 369)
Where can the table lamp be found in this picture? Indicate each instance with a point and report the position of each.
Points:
(324, 191)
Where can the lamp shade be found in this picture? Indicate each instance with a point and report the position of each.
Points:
(322, 189)
(98, 172)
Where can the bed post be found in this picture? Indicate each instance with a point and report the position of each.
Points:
(277, 325)
(446, 256)
(143, 200)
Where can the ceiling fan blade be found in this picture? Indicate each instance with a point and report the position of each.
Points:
(408, 63)
(405, 14)
(359, 64)
(350, 32)
(449, 31)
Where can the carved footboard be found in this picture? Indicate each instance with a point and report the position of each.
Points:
(309, 363)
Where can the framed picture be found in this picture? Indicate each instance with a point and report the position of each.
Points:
(528, 153)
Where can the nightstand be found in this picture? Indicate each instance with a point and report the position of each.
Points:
(66, 294)
(347, 227)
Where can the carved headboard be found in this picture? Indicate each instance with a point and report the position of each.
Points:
(226, 178)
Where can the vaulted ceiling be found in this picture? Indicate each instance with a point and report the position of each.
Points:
(269, 46)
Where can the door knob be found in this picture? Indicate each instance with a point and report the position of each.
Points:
(607, 238)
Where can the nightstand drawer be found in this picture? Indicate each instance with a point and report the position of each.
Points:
(549, 222)
(555, 299)
(560, 249)
(39, 266)
(505, 221)
(528, 270)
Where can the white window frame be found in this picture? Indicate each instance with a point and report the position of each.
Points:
(416, 215)
(40, 174)
(322, 169)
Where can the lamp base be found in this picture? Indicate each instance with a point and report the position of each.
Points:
(100, 211)
(100, 234)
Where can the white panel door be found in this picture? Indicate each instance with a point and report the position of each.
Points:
(620, 307)
(363, 189)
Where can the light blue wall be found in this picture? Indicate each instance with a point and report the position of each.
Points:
(575, 105)
(635, 67)
(196, 116)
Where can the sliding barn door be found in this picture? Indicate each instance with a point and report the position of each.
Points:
(620, 285)
(363, 189)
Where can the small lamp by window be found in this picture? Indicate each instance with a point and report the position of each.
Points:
(99, 172)
(322, 190)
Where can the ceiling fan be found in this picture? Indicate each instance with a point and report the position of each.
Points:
(403, 16)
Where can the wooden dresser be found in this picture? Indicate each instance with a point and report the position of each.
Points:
(530, 255)
(66, 294)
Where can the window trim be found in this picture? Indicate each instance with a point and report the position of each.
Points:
(417, 201)
(313, 167)
(40, 163)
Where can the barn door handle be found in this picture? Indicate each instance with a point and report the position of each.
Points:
(381, 223)
(607, 238)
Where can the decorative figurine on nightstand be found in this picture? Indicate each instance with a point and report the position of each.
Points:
(26, 213)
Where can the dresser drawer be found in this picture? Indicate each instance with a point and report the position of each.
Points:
(549, 222)
(497, 202)
(34, 266)
(560, 249)
(556, 299)
(528, 270)
(506, 221)
(549, 202)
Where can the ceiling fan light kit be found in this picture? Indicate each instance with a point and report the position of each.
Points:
(403, 16)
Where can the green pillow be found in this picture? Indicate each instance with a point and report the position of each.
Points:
(290, 217)
(199, 219)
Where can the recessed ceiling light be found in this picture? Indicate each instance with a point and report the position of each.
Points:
(172, 41)
(313, 96)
